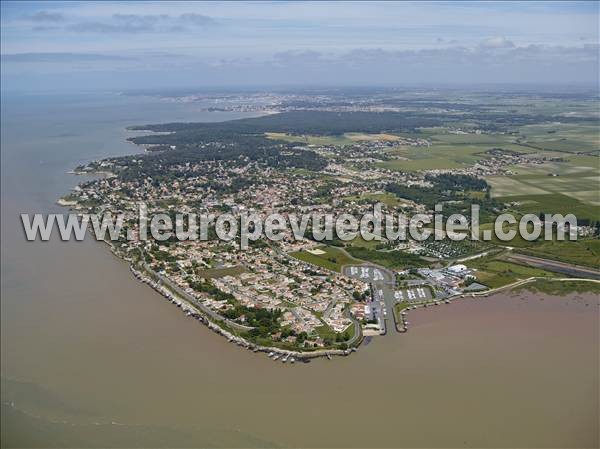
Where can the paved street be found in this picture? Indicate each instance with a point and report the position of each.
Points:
(382, 284)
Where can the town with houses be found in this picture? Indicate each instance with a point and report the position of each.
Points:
(306, 297)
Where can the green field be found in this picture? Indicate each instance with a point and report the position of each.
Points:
(420, 164)
(450, 151)
(568, 186)
(553, 203)
(437, 156)
(344, 139)
(333, 259)
(389, 199)
(458, 150)
(573, 180)
(393, 259)
(327, 333)
(314, 140)
(582, 252)
(565, 187)
(562, 137)
(496, 273)
(469, 139)
(371, 137)
(573, 165)
(220, 272)
(362, 243)
(507, 186)
(561, 288)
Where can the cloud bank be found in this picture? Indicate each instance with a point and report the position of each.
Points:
(170, 43)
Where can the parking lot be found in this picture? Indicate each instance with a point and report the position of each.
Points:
(368, 273)
(414, 294)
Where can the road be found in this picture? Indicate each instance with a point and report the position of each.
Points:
(194, 302)
(382, 283)
(357, 326)
(556, 266)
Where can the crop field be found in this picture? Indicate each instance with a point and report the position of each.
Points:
(577, 195)
(470, 139)
(507, 186)
(449, 151)
(592, 162)
(341, 140)
(562, 137)
(575, 166)
(581, 108)
(420, 164)
(567, 184)
(460, 150)
(437, 156)
(554, 203)
(371, 137)
(312, 140)
(571, 186)
(587, 196)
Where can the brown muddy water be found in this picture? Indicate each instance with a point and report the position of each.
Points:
(91, 357)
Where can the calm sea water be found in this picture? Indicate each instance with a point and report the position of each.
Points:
(90, 357)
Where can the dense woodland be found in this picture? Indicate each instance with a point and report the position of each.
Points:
(296, 122)
(453, 191)
(240, 142)
(326, 123)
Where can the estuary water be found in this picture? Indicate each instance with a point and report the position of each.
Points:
(92, 358)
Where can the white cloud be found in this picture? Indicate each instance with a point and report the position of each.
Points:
(497, 42)
(353, 41)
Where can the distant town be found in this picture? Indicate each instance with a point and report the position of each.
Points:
(341, 152)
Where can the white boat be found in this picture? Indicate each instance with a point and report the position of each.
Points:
(271, 354)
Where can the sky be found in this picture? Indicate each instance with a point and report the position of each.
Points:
(124, 45)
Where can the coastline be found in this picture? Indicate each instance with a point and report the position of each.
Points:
(226, 328)
(193, 310)
(401, 324)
